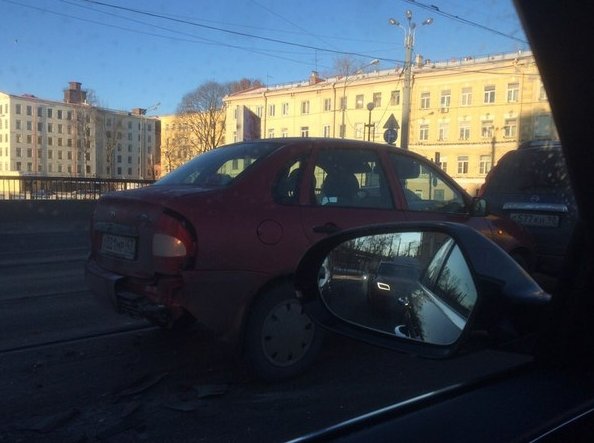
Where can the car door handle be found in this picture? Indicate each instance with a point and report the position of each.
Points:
(328, 228)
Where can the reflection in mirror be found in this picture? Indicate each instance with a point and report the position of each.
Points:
(415, 285)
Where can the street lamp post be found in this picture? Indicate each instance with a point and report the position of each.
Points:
(409, 43)
(343, 100)
(369, 125)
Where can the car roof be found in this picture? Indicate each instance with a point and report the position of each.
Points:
(540, 144)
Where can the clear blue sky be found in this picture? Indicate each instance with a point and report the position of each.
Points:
(137, 60)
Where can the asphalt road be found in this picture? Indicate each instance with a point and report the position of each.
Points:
(73, 371)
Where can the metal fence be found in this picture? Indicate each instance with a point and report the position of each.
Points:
(62, 188)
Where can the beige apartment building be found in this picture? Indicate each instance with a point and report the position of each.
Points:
(187, 135)
(465, 114)
(74, 139)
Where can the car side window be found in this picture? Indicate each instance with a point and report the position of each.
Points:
(455, 286)
(286, 186)
(351, 178)
(423, 188)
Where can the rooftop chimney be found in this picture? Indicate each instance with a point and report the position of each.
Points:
(74, 93)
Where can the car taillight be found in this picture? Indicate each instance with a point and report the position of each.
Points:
(174, 243)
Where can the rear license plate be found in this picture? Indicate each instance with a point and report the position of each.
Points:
(119, 246)
(543, 220)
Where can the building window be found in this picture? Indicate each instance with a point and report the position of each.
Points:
(284, 133)
(17, 109)
(395, 98)
(285, 108)
(59, 114)
(377, 99)
(443, 131)
(466, 98)
(513, 92)
(342, 131)
(359, 99)
(463, 164)
(29, 139)
(18, 124)
(445, 99)
(259, 110)
(327, 104)
(425, 100)
(19, 152)
(50, 141)
(326, 131)
(271, 110)
(18, 166)
(305, 107)
(39, 111)
(489, 94)
(424, 132)
(542, 93)
(443, 164)
(543, 126)
(464, 131)
(19, 138)
(39, 127)
(50, 112)
(50, 154)
(343, 103)
(59, 155)
(29, 125)
(487, 129)
(271, 133)
(510, 130)
(29, 110)
(484, 164)
(305, 131)
(50, 127)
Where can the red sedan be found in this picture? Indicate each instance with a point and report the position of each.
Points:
(219, 238)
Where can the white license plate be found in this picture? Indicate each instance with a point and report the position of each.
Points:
(543, 220)
(119, 245)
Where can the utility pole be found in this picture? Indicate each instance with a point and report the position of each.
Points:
(409, 43)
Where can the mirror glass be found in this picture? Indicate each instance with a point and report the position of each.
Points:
(415, 285)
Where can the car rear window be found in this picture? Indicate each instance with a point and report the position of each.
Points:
(219, 167)
(538, 170)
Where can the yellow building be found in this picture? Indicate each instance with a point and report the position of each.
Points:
(465, 114)
(188, 135)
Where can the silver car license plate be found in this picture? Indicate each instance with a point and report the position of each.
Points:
(542, 220)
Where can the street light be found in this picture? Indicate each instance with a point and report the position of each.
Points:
(343, 100)
(409, 43)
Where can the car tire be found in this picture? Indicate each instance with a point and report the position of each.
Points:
(281, 341)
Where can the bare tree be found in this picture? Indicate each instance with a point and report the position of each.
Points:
(200, 124)
(345, 65)
(110, 126)
(85, 122)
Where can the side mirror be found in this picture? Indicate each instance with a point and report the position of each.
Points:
(423, 288)
(479, 207)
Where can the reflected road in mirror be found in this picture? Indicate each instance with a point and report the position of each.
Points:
(415, 285)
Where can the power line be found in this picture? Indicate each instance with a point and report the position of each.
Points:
(436, 10)
(232, 32)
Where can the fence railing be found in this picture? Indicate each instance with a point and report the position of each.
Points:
(62, 188)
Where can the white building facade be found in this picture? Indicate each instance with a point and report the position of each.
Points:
(74, 139)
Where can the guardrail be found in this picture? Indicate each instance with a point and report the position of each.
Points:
(62, 188)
